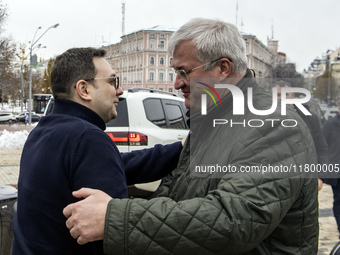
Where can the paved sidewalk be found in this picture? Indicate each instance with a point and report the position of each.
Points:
(329, 234)
(9, 166)
(9, 173)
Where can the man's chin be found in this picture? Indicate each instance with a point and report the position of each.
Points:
(111, 117)
(114, 116)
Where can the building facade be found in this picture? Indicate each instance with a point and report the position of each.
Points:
(141, 58)
(260, 58)
(334, 61)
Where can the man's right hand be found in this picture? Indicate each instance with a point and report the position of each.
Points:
(86, 218)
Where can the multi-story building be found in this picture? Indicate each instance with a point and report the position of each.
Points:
(334, 62)
(141, 58)
(260, 58)
(330, 59)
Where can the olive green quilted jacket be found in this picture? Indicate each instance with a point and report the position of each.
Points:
(263, 214)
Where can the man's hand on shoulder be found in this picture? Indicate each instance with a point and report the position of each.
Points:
(86, 218)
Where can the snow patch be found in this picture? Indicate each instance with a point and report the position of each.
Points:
(12, 140)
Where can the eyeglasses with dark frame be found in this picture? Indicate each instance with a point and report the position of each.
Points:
(184, 74)
(113, 80)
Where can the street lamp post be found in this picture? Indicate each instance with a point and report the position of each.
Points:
(30, 84)
(22, 93)
(23, 58)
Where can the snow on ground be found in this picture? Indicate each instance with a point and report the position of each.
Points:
(12, 140)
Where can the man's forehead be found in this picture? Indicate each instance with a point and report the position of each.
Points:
(102, 66)
(184, 54)
(176, 63)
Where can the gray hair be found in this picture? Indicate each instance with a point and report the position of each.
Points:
(282, 84)
(213, 39)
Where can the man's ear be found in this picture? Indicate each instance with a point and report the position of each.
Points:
(225, 66)
(82, 90)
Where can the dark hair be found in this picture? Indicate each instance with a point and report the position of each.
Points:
(70, 67)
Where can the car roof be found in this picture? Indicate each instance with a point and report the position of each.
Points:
(148, 93)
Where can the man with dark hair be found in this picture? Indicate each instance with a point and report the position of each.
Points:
(69, 149)
(224, 213)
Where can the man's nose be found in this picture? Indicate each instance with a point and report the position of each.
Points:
(179, 83)
(119, 91)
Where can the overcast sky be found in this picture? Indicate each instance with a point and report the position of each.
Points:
(305, 28)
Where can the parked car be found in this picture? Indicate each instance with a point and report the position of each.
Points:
(35, 117)
(146, 117)
(7, 117)
(23, 114)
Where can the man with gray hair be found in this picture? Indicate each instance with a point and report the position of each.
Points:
(226, 213)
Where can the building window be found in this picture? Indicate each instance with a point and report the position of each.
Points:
(170, 90)
(161, 76)
(161, 46)
(161, 61)
(152, 35)
(162, 35)
(152, 43)
(161, 89)
(152, 61)
(170, 61)
(171, 77)
(151, 78)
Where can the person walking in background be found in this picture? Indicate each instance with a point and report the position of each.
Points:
(331, 131)
(224, 213)
(26, 119)
(313, 123)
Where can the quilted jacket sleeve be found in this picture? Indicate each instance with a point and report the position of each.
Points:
(228, 219)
